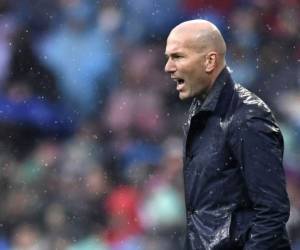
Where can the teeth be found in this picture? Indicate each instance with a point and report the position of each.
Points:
(178, 80)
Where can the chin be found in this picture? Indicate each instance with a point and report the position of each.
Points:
(184, 97)
(181, 97)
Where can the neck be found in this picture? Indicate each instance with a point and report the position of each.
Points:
(215, 74)
(214, 77)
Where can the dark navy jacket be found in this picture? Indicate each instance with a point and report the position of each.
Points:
(234, 180)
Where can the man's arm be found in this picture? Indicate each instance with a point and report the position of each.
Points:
(258, 147)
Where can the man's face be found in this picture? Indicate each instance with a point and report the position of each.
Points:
(186, 66)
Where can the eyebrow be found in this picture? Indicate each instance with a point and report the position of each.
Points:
(177, 53)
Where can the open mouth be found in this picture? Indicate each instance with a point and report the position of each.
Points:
(179, 81)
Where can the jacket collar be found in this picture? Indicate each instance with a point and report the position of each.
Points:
(218, 99)
(210, 102)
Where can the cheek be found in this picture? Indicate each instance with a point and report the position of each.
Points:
(195, 68)
(195, 74)
(187, 66)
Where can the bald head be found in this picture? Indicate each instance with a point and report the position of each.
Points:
(196, 56)
(202, 36)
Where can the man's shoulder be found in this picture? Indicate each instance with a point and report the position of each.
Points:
(248, 108)
(249, 104)
(252, 114)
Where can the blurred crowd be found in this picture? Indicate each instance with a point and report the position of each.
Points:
(90, 124)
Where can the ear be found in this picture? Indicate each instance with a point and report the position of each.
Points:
(210, 62)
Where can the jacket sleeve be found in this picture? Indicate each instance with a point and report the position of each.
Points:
(257, 145)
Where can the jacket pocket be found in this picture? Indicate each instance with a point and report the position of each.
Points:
(209, 230)
(240, 226)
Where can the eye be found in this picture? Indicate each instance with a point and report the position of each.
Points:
(174, 57)
(177, 56)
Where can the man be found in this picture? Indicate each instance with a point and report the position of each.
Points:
(234, 181)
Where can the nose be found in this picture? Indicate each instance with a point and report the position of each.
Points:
(170, 66)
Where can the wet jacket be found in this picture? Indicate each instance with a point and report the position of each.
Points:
(234, 180)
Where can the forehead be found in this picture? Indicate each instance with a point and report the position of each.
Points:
(177, 42)
(173, 46)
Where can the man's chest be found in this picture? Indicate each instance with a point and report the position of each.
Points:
(206, 137)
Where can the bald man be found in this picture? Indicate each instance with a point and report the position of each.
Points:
(234, 180)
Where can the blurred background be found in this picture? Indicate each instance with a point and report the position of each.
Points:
(91, 126)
